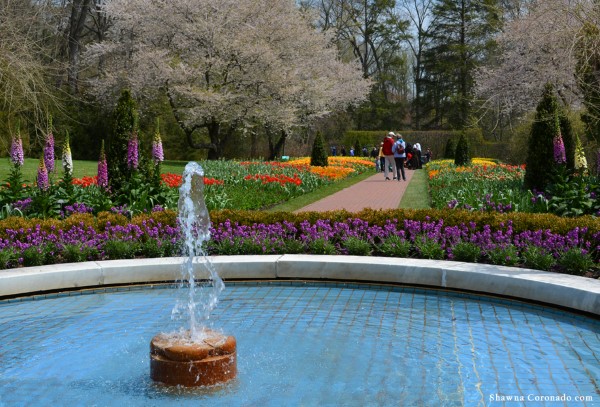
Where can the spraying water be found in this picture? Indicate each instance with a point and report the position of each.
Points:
(198, 274)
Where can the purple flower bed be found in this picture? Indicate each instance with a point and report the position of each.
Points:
(278, 238)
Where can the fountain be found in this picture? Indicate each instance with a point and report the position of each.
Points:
(198, 356)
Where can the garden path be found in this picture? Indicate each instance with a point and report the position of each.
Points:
(374, 192)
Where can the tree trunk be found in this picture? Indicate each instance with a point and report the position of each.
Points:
(275, 148)
(79, 12)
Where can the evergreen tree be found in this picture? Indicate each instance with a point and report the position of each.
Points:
(462, 155)
(125, 118)
(460, 40)
(540, 151)
(450, 149)
(318, 156)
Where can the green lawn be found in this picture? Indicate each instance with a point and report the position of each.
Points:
(416, 195)
(80, 168)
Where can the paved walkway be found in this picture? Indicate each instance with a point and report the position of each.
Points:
(374, 192)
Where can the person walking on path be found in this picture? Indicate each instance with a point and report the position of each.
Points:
(399, 156)
(381, 158)
(388, 143)
(373, 193)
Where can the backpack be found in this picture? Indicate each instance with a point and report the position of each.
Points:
(399, 148)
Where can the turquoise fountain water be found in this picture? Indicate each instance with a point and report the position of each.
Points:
(304, 344)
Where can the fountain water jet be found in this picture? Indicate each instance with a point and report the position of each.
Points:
(198, 356)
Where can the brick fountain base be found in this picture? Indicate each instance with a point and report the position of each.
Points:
(177, 360)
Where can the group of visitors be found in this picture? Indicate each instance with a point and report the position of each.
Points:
(396, 154)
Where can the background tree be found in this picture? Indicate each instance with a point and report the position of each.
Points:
(462, 153)
(372, 31)
(460, 40)
(124, 125)
(319, 155)
(535, 47)
(540, 152)
(27, 93)
(225, 66)
(450, 150)
(588, 76)
(420, 15)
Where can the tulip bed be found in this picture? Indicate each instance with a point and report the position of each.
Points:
(228, 185)
(488, 186)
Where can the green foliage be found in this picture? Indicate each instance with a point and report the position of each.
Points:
(152, 248)
(318, 155)
(537, 258)
(429, 248)
(357, 246)
(576, 261)
(460, 39)
(124, 122)
(118, 249)
(540, 151)
(380, 112)
(14, 190)
(506, 255)
(321, 246)
(44, 204)
(462, 155)
(394, 246)
(573, 195)
(450, 149)
(74, 253)
(8, 258)
(292, 246)
(466, 251)
(33, 256)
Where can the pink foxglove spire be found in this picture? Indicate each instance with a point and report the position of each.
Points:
(42, 176)
(102, 169)
(132, 152)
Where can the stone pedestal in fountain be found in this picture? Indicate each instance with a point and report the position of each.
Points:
(176, 360)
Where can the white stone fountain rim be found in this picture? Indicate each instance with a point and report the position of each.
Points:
(572, 292)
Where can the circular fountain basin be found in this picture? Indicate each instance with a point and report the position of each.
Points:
(308, 343)
(302, 344)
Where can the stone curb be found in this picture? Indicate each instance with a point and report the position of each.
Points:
(573, 292)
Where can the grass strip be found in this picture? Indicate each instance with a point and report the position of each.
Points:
(416, 195)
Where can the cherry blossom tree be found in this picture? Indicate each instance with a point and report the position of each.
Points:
(537, 47)
(224, 64)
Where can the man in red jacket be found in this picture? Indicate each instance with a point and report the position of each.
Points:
(388, 143)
